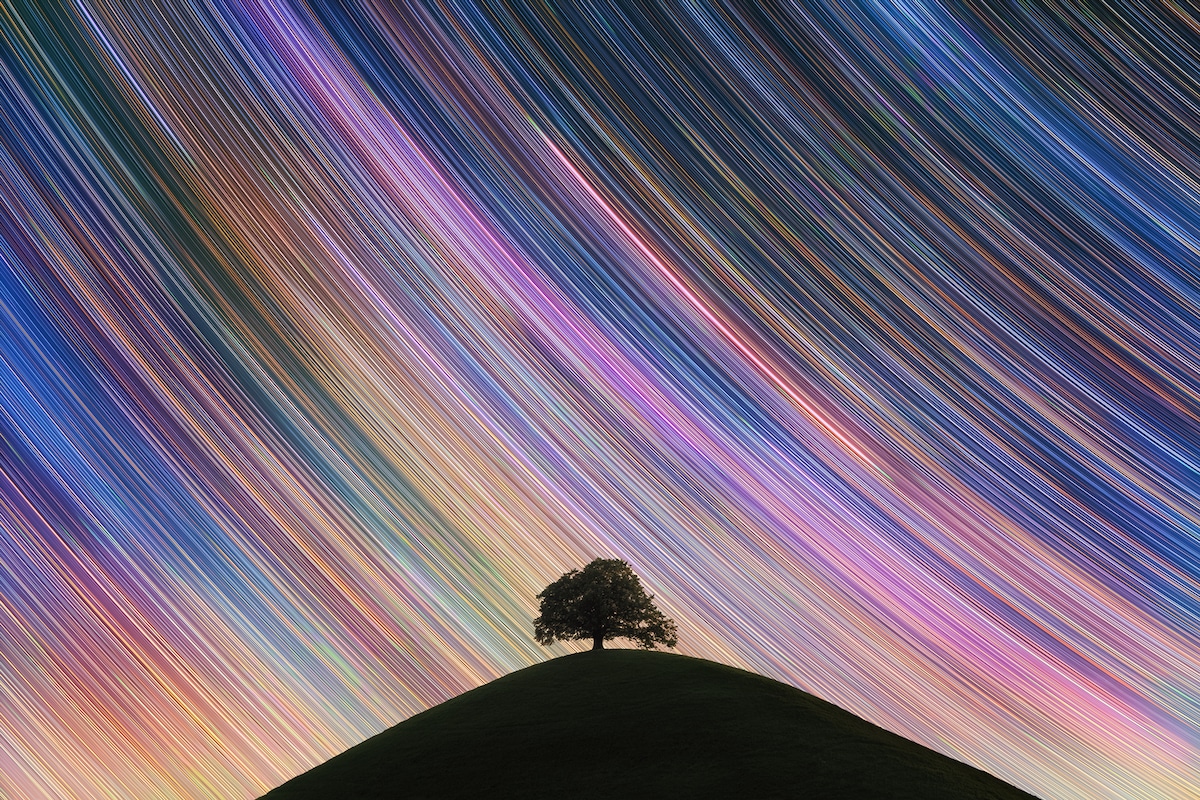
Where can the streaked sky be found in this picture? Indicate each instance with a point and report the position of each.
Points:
(868, 333)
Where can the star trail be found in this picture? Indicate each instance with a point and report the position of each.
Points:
(330, 333)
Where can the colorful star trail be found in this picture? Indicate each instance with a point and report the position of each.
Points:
(868, 333)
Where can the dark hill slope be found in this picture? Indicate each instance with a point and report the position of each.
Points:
(635, 724)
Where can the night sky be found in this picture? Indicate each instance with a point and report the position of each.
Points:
(867, 333)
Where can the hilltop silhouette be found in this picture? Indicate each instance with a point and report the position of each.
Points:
(640, 724)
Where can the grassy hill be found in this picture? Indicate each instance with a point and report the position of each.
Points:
(637, 724)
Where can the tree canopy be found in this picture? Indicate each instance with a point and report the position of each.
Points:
(605, 600)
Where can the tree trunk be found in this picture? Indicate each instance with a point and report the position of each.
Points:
(598, 642)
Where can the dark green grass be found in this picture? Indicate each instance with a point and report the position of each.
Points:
(635, 724)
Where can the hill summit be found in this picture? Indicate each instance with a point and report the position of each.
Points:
(638, 724)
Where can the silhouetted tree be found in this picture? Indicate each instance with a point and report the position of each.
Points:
(604, 600)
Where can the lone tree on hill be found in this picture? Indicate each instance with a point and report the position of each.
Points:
(604, 600)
